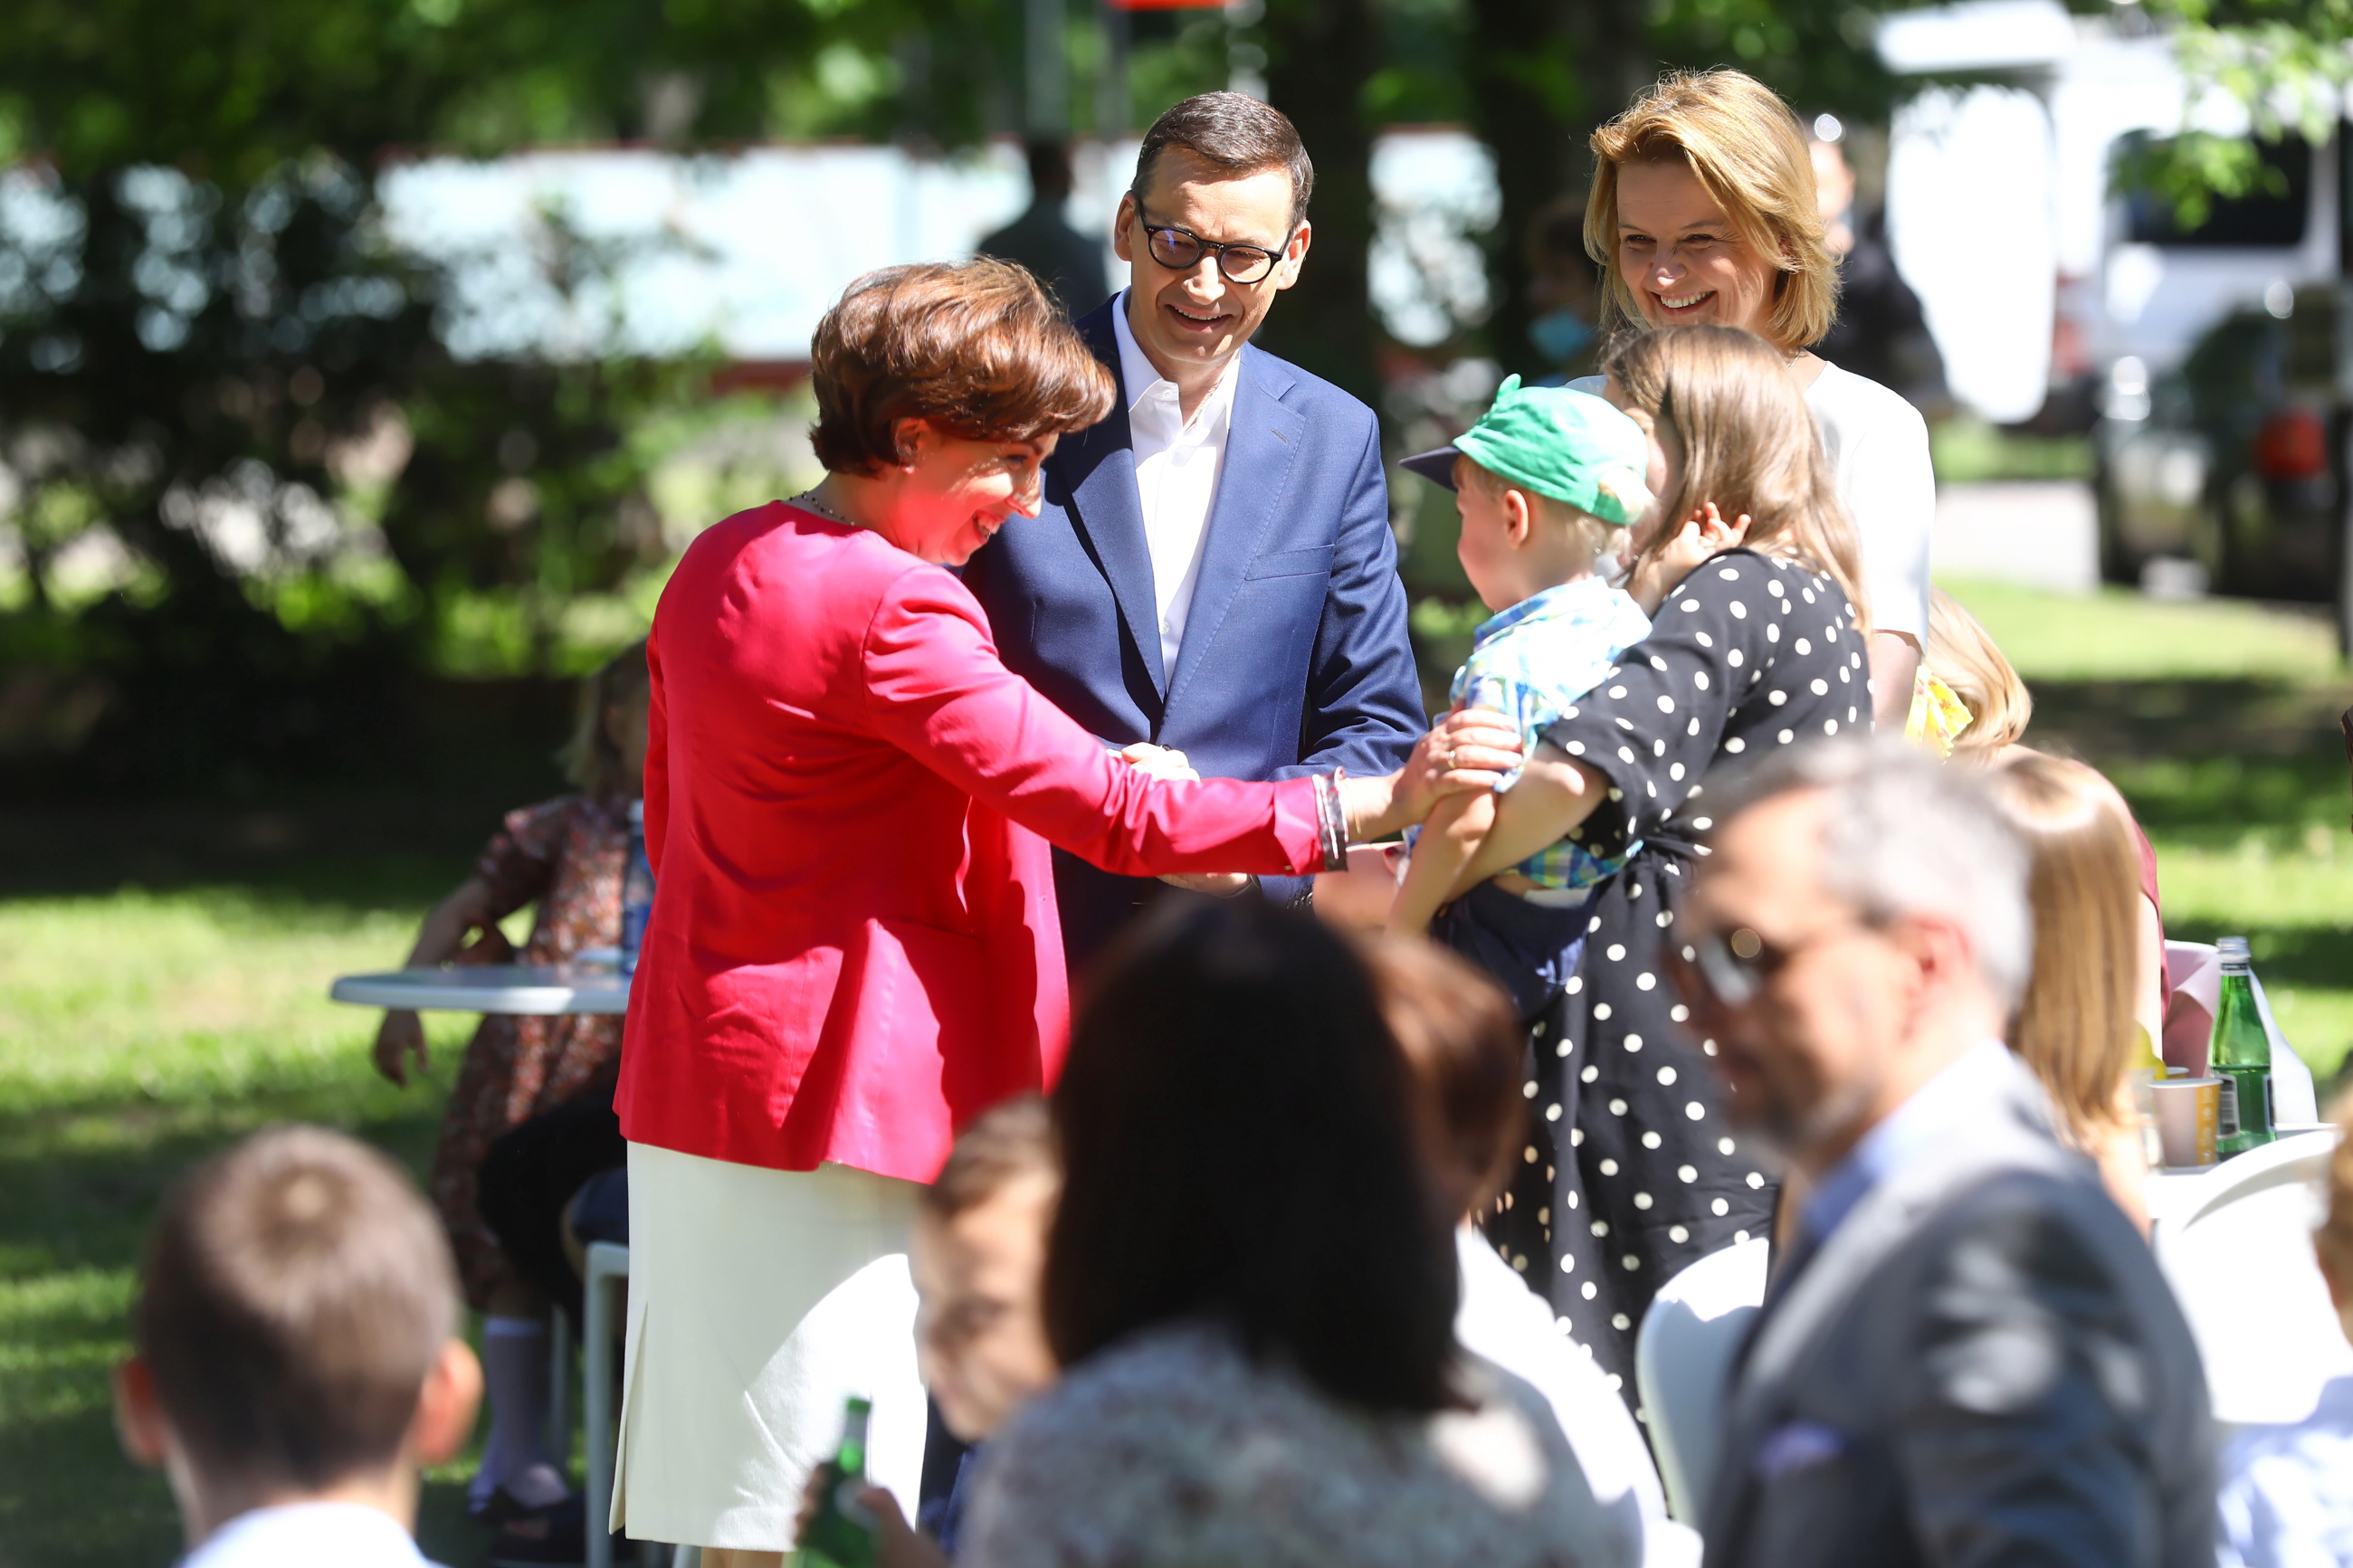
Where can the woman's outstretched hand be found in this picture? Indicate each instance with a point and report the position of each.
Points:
(1471, 749)
(1703, 534)
(1169, 763)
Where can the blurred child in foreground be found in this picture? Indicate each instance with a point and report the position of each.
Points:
(295, 1355)
(566, 854)
(1464, 1048)
(978, 1256)
(2288, 1492)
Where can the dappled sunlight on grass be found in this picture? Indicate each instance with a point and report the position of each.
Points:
(138, 1033)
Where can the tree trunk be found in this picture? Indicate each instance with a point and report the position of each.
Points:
(1543, 75)
(1321, 54)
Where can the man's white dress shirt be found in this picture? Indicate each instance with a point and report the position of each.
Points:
(309, 1535)
(1177, 464)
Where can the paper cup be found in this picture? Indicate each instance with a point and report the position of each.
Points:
(2189, 1113)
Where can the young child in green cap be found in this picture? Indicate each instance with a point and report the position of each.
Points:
(1542, 481)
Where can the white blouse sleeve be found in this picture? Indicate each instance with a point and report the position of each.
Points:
(1878, 445)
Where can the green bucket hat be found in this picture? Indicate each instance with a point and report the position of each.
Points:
(1569, 445)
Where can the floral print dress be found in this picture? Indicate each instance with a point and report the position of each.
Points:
(1631, 1173)
(567, 854)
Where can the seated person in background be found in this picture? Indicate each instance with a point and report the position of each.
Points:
(566, 854)
(2288, 1492)
(978, 1255)
(1542, 480)
(1465, 1048)
(1996, 708)
(533, 1177)
(2074, 1025)
(1250, 1286)
(295, 1356)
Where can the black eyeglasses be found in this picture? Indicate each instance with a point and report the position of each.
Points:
(1732, 968)
(1180, 250)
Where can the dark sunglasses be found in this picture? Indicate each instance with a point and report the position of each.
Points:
(1180, 250)
(1732, 968)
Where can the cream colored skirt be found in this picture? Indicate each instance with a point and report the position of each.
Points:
(759, 1302)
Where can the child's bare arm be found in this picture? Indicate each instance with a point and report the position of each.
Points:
(400, 1044)
(1457, 826)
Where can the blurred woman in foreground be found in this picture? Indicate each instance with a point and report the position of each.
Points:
(1251, 1284)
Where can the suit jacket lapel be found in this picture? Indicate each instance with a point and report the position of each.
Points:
(1262, 444)
(1098, 464)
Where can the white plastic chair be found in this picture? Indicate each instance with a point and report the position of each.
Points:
(1682, 1362)
(2237, 1249)
(558, 1435)
(601, 1324)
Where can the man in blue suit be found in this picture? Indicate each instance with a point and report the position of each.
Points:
(1212, 569)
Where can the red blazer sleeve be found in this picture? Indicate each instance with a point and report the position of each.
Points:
(936, 688)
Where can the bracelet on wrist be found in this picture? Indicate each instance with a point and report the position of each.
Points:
(1331, 820)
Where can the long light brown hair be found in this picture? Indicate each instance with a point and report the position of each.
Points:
(2074, 1025)
(590, 757)
(1728, 410)
(1746, 149)
(1964, 655)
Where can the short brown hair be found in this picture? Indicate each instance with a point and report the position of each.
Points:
(1591, 533)
(976, 348)
(589, 758)
(1463, 1043)
(1235, 134)
(1004, 1145)
(295, 1294)
(1745, 148)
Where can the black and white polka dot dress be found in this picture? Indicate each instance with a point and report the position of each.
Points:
(1631, 1171)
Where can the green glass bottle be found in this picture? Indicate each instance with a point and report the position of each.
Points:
(841, 1534)
(2239, 1054)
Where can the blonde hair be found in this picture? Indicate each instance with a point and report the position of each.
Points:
(1746, 442)
(1748, 152)
(2074, 1025)
(1962, 656)
(589, 758)
(1588, 530)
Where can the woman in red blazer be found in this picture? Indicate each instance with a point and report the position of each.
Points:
(853, 949)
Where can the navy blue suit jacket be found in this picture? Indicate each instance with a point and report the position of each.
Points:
(1295, 657)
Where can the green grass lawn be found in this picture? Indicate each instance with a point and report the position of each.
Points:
(140, 1030)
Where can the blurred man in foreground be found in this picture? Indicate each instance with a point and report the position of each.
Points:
(1968, 1354)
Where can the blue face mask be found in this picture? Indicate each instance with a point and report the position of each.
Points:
(1558, 336)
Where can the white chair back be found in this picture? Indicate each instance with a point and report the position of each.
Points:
(2237, 1249)
(1683, 1365)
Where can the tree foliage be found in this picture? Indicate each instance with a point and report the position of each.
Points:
(2287, 64)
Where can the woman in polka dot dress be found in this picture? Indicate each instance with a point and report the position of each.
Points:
(1631, 1171)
